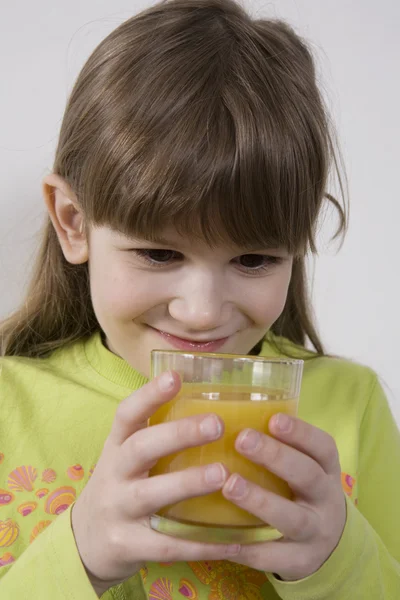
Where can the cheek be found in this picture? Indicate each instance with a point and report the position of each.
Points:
(270, 299)
(118, 300)
(118, 293)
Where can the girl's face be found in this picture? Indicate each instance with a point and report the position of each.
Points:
(142, 291)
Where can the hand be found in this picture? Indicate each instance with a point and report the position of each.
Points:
(110, 519)
(312, 524)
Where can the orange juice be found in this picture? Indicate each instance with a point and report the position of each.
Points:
(239, 406)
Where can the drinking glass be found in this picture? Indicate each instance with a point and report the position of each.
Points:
(245, 391)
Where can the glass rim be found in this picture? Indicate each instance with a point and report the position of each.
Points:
(262, 359)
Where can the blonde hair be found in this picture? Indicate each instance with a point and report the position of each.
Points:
(190, 113)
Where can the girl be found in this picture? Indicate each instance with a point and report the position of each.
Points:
(190, 171)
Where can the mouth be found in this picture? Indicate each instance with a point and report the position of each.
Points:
(185, 344)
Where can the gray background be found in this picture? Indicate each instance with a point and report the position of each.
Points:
(44, 44)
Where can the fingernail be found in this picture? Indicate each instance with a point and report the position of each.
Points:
(249, 440)
(154, 522)
(237, 487)
(210, 427)
(214, 474)
(233, 550)
(166, 382)
(284, 422)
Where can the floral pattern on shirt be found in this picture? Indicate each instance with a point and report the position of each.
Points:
(51, 494)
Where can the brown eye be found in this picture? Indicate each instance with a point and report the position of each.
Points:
(160, 255)
(253, 261)
(258, 264)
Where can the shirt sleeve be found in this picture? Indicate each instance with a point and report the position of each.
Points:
(366, 562)
(51, 569)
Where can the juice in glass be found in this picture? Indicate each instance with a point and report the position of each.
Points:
(238, 395)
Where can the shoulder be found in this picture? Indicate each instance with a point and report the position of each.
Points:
(32, 389)
(12, 366)
(23, 371)
(20, 379)
(335, 392)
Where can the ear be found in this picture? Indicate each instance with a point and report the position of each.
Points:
(67, 218)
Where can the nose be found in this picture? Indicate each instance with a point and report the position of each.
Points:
(201, 303)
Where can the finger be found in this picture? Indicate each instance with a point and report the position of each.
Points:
(294, 521)
(147, 496)
(141, 451)
(282, 556)
(308, 439)
(132, 413)
(304, 476)
(158, 547)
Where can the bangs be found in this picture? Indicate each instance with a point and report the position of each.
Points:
(222, 145)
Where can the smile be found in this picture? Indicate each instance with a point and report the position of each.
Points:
(184, 344)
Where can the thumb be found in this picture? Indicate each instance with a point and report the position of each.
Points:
(134, 411)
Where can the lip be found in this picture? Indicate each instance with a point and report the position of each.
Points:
(182, 344)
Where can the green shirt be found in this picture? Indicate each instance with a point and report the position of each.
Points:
(56, 413)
